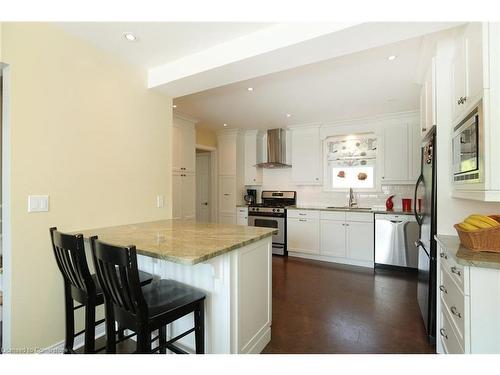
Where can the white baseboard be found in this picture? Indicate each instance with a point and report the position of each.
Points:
(323, 258)
(100, 330)
(261, 342)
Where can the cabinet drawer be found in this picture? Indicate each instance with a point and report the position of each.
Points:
(453, 301)
(242, 210)
(304, 214)
(448, 338)
(363, 217)
(333, 215)
(456, 271)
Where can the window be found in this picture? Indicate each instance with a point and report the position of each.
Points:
(351, 162)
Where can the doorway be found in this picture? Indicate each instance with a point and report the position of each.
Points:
(205, 184)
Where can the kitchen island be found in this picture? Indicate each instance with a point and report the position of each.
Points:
(230, 263)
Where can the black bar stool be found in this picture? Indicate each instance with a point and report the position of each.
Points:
(81, 286)
(144, 310)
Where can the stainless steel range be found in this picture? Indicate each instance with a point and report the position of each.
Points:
(271, 213)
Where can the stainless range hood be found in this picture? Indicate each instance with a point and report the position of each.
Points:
(276, 150)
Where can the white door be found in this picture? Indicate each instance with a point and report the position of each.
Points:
(188, 196)
(333, 241)
(176, 147)
(360, 241)
(177, 195)
(203, 203)
(227, 199)
(188, 148)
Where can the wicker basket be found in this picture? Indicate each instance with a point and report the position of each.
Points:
(487, 239)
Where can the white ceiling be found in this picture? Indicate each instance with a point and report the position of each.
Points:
(158, 42)
(352, 86)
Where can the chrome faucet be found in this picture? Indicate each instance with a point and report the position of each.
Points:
(352, 199)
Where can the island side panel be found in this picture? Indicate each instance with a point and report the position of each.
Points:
(251, 307)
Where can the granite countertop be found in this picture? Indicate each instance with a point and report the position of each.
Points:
(179, 241)
(467, 257)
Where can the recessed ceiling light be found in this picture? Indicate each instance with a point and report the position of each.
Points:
(130, 37)
(288, 115)
(225, 125)
(250, 89)
(174, 106)
(392, 57)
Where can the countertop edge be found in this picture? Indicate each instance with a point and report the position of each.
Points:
(466, 257)
(371, 211)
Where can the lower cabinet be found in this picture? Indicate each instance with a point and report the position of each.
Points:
(334, 236)
(183, 196)
(242, 215)
(303, 235)
(227, 218)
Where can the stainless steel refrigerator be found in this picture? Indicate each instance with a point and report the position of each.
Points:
(425, 190)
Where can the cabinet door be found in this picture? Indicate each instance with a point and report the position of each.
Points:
(227, 156)
(360, 241)
(227, 191)
(176, 196)
(414, 149)
(423, 109)
(227, 218)
(242, 216)
(333, 238)
(188, 148)
(189, 196)
(474, 59)
(458, 76)
(430, 96)
(303, 235)
(306, 157)
(253, 175)
(395, 153)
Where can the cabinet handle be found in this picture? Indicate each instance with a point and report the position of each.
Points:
(424, 129)
(442, 288)
(443, 255)
(443, 333)
(226, 194)
(456, 271)
(317, 178)
(301, 214)
(454, 311)
(302, 220)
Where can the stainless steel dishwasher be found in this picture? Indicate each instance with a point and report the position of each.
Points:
(395, 236)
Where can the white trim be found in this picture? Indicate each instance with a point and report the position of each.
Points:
(58, 348)
(205, 148)
(6, 212)
(339, 260)
(185, 117)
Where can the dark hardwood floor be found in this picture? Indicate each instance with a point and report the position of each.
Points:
(321, 307)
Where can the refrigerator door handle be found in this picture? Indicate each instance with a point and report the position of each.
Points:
(417, 217)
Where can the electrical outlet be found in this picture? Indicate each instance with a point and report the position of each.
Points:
(160, 201)
(38, 203)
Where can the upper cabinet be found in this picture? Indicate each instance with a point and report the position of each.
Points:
(183, 145)
(253, 156)
(306, 156)
(467, 70)
(428, 99)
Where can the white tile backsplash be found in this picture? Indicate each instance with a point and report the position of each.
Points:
(280, 179)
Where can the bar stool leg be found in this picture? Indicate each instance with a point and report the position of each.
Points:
(70, 320)
(163, 338)
(110, 329)
(143, 340)
(199, 323)
(89, 328)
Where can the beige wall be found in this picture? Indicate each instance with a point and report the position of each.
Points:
(86, 131)
(205, 137)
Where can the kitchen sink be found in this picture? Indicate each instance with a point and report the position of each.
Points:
(350, 208)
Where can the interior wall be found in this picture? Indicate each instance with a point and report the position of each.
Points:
(86, 131)
(206, 137)
(449, 210)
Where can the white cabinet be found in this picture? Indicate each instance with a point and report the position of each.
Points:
(227, 218)
(467, 70)
(242, 215)
(183, 196)
(400, 152)
(227, 191)
(226, 147)
(335, 236)
(183, 145)
(468, 304)
(253, 156)
(306, 156)
(428, 100)
(303, 235)
(360, 241)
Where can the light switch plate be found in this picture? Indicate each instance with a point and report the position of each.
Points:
(38, 203)
(160, 201)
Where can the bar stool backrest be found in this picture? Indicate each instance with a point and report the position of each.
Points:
(118, 274)
(69, 251)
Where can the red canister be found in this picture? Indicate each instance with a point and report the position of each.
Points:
(406, 204)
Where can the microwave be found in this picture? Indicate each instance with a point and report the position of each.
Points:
(467, 148)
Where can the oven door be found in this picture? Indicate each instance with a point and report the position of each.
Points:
(270, 222)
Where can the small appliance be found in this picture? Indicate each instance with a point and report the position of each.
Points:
(251, 196)
(271, 213)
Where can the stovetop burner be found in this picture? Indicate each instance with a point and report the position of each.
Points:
(274, 202)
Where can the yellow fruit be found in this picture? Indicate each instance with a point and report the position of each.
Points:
(467, 226)
(485, 219)
(478, 223)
